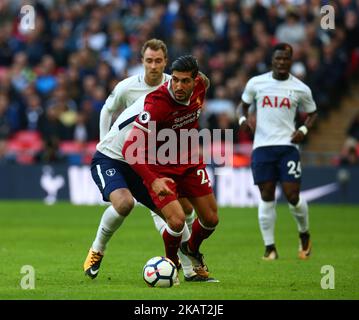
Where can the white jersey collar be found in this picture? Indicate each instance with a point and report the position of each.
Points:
(142, 79)
(271, 76)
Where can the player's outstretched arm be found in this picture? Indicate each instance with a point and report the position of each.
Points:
(300, 133)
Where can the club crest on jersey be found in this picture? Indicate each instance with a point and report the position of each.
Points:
(144, 117)
(110, 172)
(276, 102)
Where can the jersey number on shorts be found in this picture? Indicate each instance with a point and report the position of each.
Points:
(294, 169)
(201, 172)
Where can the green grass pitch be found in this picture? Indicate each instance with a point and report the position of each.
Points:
(54, 240)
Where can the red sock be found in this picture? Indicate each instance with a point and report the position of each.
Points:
(172, 244)
(198, 235)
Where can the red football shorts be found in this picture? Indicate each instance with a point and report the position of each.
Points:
(190, 182)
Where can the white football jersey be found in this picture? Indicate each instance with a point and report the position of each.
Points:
(276, 104)
(111, 145)
(123, 95)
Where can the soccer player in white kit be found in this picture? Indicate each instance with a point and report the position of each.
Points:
(154, 59)
(277, 95)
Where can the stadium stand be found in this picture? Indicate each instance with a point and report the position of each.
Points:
(24, 145)
(55, 78)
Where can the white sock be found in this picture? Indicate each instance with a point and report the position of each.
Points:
(267, 216)
(161, 225)
(300, 214)
(185, 261)
(110, 222)
(190, 219)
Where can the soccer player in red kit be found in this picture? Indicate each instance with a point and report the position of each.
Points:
(175, 105)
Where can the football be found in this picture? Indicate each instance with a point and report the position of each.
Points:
(159, 272)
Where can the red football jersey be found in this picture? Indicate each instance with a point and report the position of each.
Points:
(167, 113)
(161, 112)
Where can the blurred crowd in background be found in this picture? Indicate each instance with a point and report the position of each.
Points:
(55, 78)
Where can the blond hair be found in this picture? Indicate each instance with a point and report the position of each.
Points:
(154, 44)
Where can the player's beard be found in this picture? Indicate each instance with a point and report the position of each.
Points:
(183, 96)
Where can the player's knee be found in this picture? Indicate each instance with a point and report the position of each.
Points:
(267, 196)
(124, 206)
(267, 191)
(176, 223)
(293, 198)
(187, 209)
(186, 206)
(211, 220)
(214, 220)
